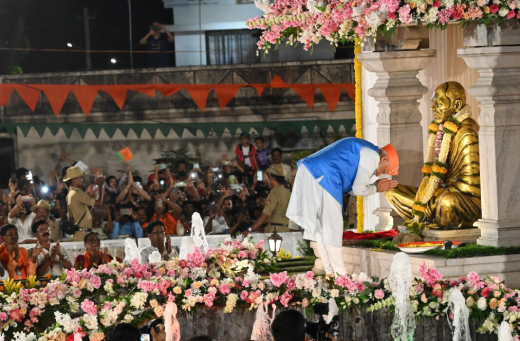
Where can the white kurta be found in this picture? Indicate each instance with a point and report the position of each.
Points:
(316, 210)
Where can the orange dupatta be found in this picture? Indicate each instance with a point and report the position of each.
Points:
(88, 263)
(26, 266)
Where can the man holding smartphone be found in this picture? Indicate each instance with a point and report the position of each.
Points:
(158, 45)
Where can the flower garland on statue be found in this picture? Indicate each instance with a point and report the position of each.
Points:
(359, 125)
(435, 168)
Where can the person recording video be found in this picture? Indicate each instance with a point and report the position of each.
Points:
(158, 44)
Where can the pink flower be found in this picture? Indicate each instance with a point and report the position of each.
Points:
(309, 275)
(89, 307)
(391, 5)
(244, 295)
(473, 278)
(285, 298)
(437, 4)
(95, 281)
(493, 8)
(225, 289)
(457, 11)
(188, 293)
(279, 279)
(511, 14)
(208, 300)
(444, 16)
(379, 294)
(404, 14)
(391, 16)
(252, 254)
(430, 275)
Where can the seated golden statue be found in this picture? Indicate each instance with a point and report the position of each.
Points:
(449, 194)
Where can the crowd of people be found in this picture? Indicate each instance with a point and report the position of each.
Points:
(243, 194)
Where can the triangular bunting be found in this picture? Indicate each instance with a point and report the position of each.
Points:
(192, 130)
(138, 130)
(82, 129)
(178, 130)
(110, 130)
(118, 94)
(167, 89)
(125, 128)
(40, 129)
(259, 88)
(165, 130)
(5, 93)
(86, 95)
(24, 128)
(28, 94)
(277, 82)
(199, 94)
(54, 128)
(225, 93)
(96, 130)
(351, 91)
(148, 90)
(56, 95)
(306, 92)
(331, 92)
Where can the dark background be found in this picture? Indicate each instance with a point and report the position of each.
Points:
(51, 24)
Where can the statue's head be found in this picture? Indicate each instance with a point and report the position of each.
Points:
(447, 100)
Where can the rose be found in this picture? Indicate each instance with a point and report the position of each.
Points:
(493, 8)
(493, 303)
(379, 294)
(503, 11)
(482, 303)
(470, 302)
(510, 15)
(177, 290)
(436, 4)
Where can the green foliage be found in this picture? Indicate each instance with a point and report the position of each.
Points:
(415, 227)
(466, 251)
(304, 247)
(174, 156)
(15, 70)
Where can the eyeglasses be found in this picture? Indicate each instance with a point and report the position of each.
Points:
(48, 228)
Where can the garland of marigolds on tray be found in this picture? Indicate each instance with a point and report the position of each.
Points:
(435, 168)
(359, 124)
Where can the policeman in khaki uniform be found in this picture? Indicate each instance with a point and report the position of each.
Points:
(275, 206)
(79, 201)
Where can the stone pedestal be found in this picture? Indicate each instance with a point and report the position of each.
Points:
(398, 91)
(459, 235)
(498, 93)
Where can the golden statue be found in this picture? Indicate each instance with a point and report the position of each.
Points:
(449, 194)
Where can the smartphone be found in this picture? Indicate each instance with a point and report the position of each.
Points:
(138, 185)
(26, 198)
(213, 207)
(162, 183)
(196, 166)
(95, 187)
(125, 211)
(162, 166)
(194, 175)
(214, 169)
(145, 337)
(232, 180)
(181, 184)
(158, 202)
(259, 176)
(29, 176)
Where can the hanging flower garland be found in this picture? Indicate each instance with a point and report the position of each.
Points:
(435, 168)
(359, 125)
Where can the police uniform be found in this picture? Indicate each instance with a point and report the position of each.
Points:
(276, 208)
(78, 203)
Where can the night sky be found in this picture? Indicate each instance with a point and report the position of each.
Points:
(54, 23)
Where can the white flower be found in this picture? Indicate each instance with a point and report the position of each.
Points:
(503, 11)
(21, 336)
(434, 305)
(482, 303)
(68, 323)
(230, 303)
(91, 321)
(482, 3)
(316, 292)
(334, 293)
(355, 300)
(448, 3)
(262, 4)
(470, 302)
(138, 300)
(431, 16)
(374, 19)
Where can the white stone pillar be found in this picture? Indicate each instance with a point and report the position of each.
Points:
(498, 92)
(398, 91)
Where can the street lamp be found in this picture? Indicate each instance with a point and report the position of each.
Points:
(69, 45)
(113, 60)
(275, 242)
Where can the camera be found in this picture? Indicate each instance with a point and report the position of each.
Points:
(318, 330)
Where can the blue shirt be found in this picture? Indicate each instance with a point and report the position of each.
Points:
(337, 165)
(262, 158)
(134, 229)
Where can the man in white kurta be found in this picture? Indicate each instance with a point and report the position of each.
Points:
(345, 166)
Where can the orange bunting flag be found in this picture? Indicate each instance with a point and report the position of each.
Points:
(125, 154)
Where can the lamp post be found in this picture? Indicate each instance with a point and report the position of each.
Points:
(275, 242)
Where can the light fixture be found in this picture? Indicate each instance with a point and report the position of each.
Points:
(113, 60)
(275, 242)
(69, 44)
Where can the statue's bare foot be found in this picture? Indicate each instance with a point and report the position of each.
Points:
(433, 226)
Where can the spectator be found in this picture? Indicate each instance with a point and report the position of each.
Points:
(42, 212)
(21, 217)
(92, 256)
(168, 212)
(219, 221)
(262, 154)
(289, 326)
(158, 44)
(51, 261)
(142, 217)
(79, 201)
(275, 206)
(102, 221)
(161, 172)
(245, 157)
(21, 173)
(159, 243)
(124, 332)
(157, 330)
(126, 225)
(18, 262)
(281, 168)
(111, 188)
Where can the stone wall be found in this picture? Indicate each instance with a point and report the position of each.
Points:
(357, 325)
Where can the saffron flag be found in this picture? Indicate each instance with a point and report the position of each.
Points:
(125, 154)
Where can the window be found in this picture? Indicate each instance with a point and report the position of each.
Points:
(232, 47)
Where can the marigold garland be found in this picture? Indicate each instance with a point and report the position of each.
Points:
(435, 168)
(359, 125)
